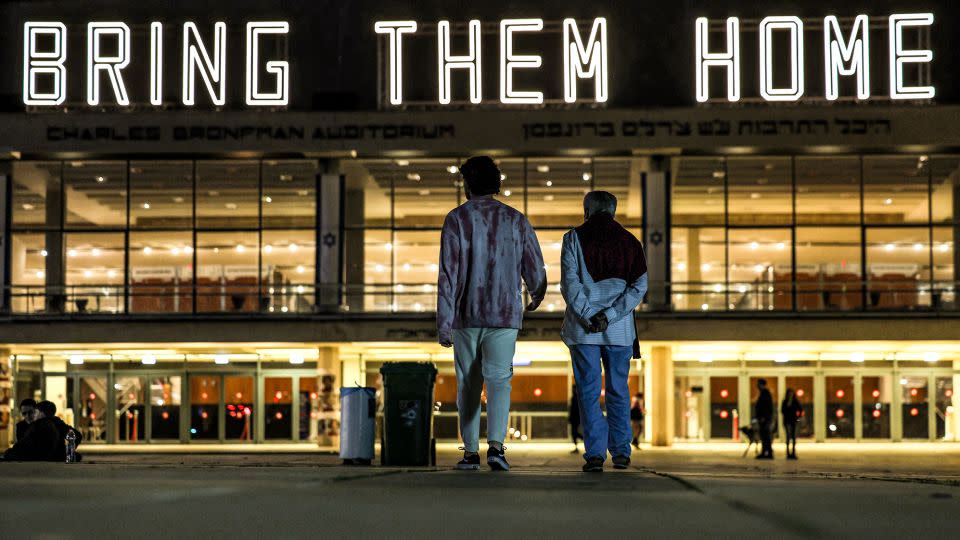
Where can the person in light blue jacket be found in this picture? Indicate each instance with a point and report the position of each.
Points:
(603, 280)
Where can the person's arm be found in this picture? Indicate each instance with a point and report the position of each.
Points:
(571, 282)
(628, 300)
(447, 280)
(532, 268)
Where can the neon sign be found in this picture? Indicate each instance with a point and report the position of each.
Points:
(208, 60)
(843, 55)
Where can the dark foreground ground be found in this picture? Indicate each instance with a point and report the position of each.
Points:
(883, 492)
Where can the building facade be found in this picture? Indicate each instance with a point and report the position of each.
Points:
(213, 220)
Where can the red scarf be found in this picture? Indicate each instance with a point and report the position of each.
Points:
(609, 250)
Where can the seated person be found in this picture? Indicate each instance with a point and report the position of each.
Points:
(27, 407)
(49, 410)
(40, 441)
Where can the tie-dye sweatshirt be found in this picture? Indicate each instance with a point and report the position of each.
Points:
(486, 249)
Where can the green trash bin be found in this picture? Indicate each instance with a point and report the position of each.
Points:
(408, 414)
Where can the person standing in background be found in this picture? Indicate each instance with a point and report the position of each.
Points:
(791, 411)
(763, 413)
(636, 419)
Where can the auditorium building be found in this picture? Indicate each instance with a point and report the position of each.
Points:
(213, 217)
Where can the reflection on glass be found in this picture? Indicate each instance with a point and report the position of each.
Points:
(227, 193)
(898, 264)
(760, 191)
(161, 194)
(238, 394)
(204, 407)
(95, 193)
(945, 409)
(287, 266)
(34, 183)
(289, 193)
(278, 408)
(94, 272)
(761, 270)
(227, 271)
(895, 189)
(92, 417)
(131, 409)
(915, 409)
(699, 268)
(724, 417)
(877, 393)
(828, 269)
(161, 272)
(803, 392)
(165, 407)
(840, 422)
(698, 191)
(828, 190)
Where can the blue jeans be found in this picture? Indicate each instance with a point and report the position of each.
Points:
(483, 355)
(612, 433)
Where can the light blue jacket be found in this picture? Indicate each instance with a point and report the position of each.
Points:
(585, 298)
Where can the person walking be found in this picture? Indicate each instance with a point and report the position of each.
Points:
(763, 413)
(603, 279)
(636, 419)
(486, 249)
(791, 411)
(573, 417)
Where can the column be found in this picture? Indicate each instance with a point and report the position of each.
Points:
(329, 239)
(858, 407)
(53, 243)
(896, 408)
(744, 395)
(657, 212)
(6, 403)
(953, 418)
(819, 407)
(327, 426)
(659, 396)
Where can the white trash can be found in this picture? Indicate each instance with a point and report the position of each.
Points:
(358, 421)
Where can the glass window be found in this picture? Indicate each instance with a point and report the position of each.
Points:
(877, 393)
(828, 190)
(239, 399)
(93, 409)
(34, 183)
(803, 392)
(760, 191)
(278, 409)
(944, 271)
(289, 193)
(227, 194)
(623, 178)
(688, 393)
(94, 272)
(165, 407)
(699, 268)
(205, 407)
(761, 270)
(698, 191)
(309, 408)
(551, 244)
(898, 265)
(27, 272)
(513, 183)
(828, 268)
(945, 408)
(161, 272)
(161, 194)
(840, 407)
(416, 257)
(724, 417)
(424, 191)
(368, 191)
(227, 271)
(945, 189)
(913, 391)
(555, 190)
(95, 193)
(377, 270)
(131, 409)
(895, 189)
(288, 263)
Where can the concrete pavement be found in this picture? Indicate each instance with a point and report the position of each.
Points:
(885, 491)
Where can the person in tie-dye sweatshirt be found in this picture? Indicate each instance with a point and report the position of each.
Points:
(486, 249)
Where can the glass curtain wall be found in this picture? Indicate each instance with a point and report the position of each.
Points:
(814, 233)
(127, 236)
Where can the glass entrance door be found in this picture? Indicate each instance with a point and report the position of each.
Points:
(205, 411)
(130, 412)
(278, 408)
(840, 402)
(239, 399)
(92, 409)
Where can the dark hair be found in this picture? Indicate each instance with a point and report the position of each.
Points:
(597, 202)
(29, 402)
(47, 408)
(481, 175)
(762, 381)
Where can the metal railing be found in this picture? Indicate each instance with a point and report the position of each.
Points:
(887, 295)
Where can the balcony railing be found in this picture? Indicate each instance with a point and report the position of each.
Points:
(906, 296)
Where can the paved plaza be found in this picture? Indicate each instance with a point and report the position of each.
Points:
(868, 491)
